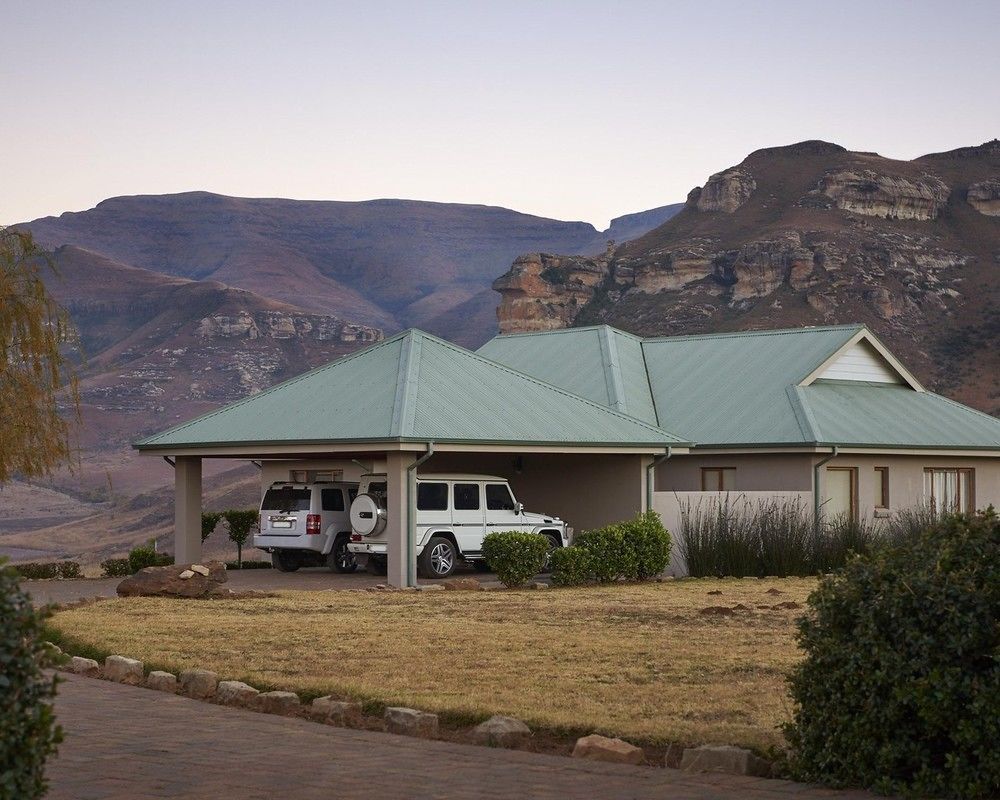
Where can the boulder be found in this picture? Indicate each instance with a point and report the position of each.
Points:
(334, 712)
(673, 756)
(84, 666)
(169, 581)
(236, 693)
(277, 702)
(201, 569)
(500, 731)
(601, 748)
(123, 670)
(198, 683)
(462, 584)
(724, 758)
(162, 681)
(410, 722)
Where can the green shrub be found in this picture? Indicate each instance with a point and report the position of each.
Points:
(611, 557)
(145, 555)
(241, 523)
(515, 556)
(650, 541)
(116, 567)
(900, 687)
(28, 733)
(209, 519)
(571, 566)
(249, 565)
(69, 570)
(35, 571)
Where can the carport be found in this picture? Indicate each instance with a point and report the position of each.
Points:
(415, 401)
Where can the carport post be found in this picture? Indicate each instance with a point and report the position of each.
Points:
(397, 512)
(187, 510)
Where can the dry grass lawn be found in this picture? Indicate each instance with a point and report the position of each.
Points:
(639, 661)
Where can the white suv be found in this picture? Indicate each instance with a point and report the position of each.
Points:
(454, 514)
(307, 525)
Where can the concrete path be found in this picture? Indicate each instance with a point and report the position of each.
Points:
(127, 743)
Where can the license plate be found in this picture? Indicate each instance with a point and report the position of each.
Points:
(282, 524)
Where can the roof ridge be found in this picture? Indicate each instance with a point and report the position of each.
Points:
(269, 389)
(804, 416)
(599, 327)
(612, 370)
(769, 332)
(403, 408)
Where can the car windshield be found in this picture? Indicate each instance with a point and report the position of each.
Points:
(286, 498)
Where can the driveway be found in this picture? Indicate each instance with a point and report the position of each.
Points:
(128, 743)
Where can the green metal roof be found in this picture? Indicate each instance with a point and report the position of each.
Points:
(414, 387)
(742, 389)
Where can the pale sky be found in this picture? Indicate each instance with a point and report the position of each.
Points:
(573, 110)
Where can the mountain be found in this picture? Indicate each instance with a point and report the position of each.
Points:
(801, 235)
(385, 263)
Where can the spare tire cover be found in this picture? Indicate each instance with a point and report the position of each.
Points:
(367, 517)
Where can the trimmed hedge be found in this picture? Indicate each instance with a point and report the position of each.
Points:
(515, 556)
(28, 732)
(571, 566)
(651, 542)
(637, 549)
(145, 555)
(51, 569)
(900, 687)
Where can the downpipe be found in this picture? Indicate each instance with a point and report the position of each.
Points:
(411, 514)
(650, 476)
(816, 485)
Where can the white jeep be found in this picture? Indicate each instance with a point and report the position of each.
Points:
(454, 514)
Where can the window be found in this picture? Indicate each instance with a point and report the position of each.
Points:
(498, 497)
(333, 500)
(467, 497)
(841, 493)
(718, 479)
(950, 490)
(286, 499)
(881, 487)
(432, 497)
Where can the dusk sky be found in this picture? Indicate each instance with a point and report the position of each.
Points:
(573, 110)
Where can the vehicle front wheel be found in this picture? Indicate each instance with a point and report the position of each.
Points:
(284, 561)
(341, 559)
(438, 558)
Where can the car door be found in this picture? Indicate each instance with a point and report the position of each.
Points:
(433, 508)
(468, 514)
(501, 510)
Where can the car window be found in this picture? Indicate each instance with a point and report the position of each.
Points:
(467, 497)
(333, 500)
(432, 497)
(498, 497)
(286, 498)
(352, 493)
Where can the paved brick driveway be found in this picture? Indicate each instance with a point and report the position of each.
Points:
(127, 743)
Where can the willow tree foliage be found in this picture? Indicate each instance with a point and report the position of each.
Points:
(37, 379)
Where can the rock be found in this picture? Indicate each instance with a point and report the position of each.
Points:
(538, 585)
(410, 722)
(601, 748)
(430, 587)
(500, 731)
(985, 197)
(169, 581)
(84, 666)
(334, 712)
(201, 570)
(123, 670)
(724, 758)
(673, 756)
(162, 681)
(235, 693)
(199, 683)
(726, 191)
(462, 584)
(874, 194)
(277, 702)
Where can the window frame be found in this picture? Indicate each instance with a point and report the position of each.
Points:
(854, 512)
(479, 496)
(510, 495)
(721, 482)
(882, 487)
(970, 504)
(447, 495)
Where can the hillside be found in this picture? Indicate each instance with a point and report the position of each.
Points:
(386, 263)
(803, 235)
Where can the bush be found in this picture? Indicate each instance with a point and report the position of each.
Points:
(28, 733)
(249, 565)
(209, 519)
(145, 555)
(515, 556)
(241, 523)
(116, 567)
(610, 556)
(51, 569)
(900, 687)
(650, 541)
(571, 566)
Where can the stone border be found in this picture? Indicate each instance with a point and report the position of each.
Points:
(497, 731)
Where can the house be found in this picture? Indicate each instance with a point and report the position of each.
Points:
(594, 425)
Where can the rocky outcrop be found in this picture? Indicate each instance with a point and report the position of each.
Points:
(175, 580)
(285, 326)
(985, 197)
(725, 191)
(872, 194)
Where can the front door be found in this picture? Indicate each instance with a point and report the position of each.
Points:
(468, 516)
(501, 512)
(841, 494)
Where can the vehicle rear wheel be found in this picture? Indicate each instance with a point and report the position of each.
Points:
(341, 559)
(377, 565)
(554, 542)
(285, 561)
(438, 558)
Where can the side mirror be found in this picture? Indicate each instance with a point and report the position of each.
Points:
(518, 508)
